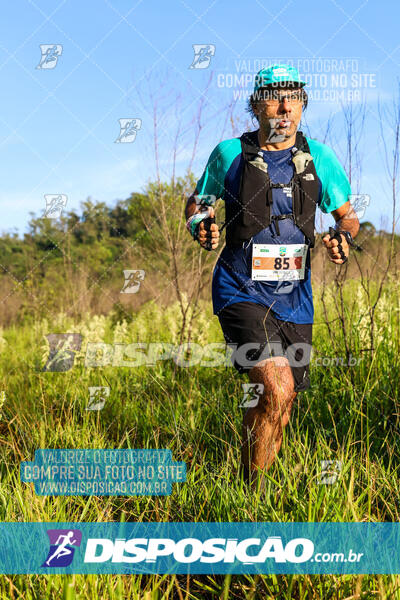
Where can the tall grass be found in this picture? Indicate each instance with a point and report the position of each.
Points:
(349, 414)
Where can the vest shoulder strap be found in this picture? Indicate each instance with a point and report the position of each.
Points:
(301, 142)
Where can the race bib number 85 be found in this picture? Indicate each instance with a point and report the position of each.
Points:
(273, 262)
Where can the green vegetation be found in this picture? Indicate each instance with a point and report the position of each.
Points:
(66, 275)
(349, 414)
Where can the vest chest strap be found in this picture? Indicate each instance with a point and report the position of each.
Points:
(277, 218)
(281, 185)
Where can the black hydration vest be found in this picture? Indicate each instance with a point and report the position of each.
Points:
(250, 213)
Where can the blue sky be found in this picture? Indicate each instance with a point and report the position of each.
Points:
(120, 59)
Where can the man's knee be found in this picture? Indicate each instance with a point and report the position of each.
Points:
(276, 376)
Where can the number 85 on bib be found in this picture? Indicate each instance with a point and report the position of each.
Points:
(274, 262)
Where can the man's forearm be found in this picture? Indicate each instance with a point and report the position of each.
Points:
(191, 207)
(349, 222)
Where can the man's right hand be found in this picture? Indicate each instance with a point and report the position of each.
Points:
(213, 234)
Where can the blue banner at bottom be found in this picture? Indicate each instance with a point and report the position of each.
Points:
(199, 548)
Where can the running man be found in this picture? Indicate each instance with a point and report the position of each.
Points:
(271, 180)
(62, 549)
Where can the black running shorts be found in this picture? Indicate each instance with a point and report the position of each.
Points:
(256, 334)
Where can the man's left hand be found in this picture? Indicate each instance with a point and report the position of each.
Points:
(332, 248)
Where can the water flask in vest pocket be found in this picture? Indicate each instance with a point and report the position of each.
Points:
(207, 226)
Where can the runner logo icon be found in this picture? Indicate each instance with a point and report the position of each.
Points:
(62, 542)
